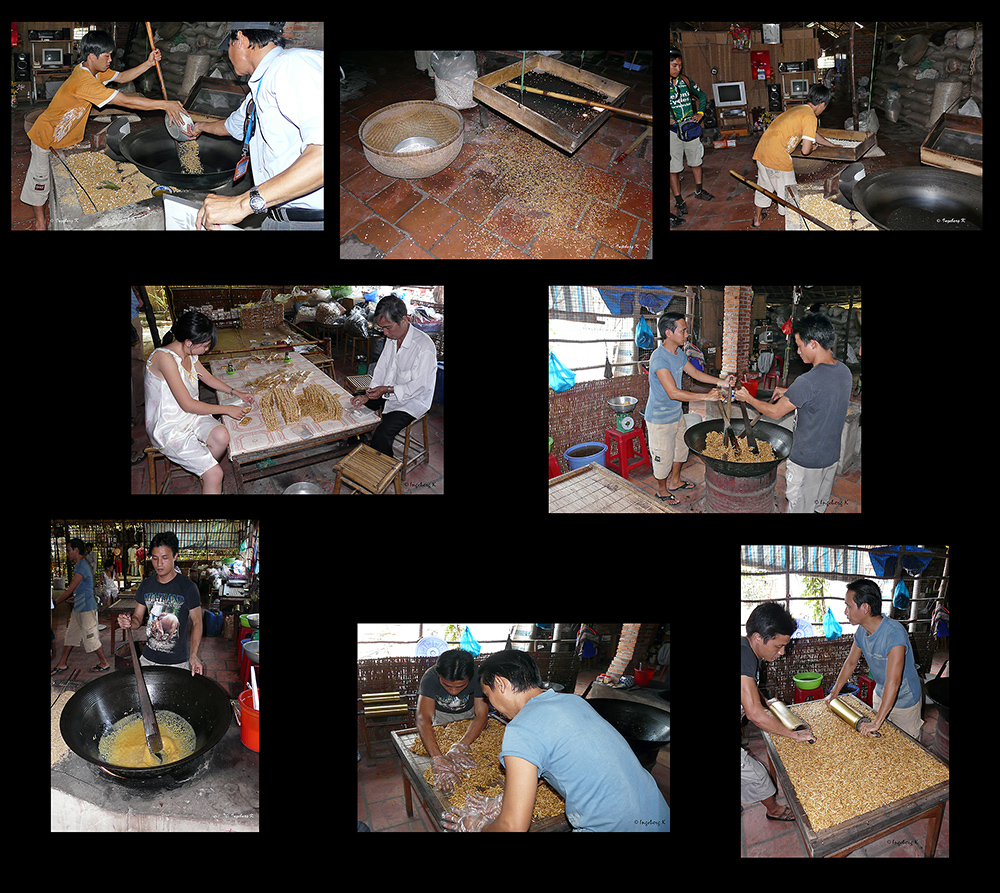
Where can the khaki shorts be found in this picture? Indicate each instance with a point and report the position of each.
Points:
(666, 446)
(82, 630)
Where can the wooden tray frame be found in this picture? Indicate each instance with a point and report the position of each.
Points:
(484, 90)
(840, 153)
(841, 839)
(640, 501)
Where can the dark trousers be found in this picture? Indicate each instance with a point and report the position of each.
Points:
(392, 424)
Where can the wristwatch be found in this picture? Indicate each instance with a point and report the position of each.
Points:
(257, 202)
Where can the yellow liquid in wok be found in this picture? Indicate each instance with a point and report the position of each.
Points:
(125, 744)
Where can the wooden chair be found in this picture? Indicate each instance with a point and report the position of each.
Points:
(368, 471)
(421, 455)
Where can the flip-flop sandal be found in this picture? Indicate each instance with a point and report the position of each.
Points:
(785, 816)
(687, 485)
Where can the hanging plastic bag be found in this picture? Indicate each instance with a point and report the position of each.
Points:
(831, 629)
(469, 642)
(901, 597)
(560, 378)
(644, 335)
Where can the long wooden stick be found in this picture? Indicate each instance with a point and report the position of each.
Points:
(152, 46)
(781, 201)
(596, 105)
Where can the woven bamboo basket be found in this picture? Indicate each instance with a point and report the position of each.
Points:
(388, 126)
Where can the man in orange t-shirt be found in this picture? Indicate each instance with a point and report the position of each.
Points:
(64, 122)
(773, 153)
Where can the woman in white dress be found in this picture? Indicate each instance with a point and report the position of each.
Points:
(179, 425)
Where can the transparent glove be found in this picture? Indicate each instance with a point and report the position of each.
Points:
(488, 806)
(461, 756)
(464, 820)
(446, 774)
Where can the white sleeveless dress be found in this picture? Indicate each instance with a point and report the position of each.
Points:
(181, 436)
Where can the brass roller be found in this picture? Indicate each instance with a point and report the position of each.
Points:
(850, 715)
(785, 716)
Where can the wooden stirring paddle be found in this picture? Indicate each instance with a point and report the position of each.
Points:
(514, 85)
(153, 740)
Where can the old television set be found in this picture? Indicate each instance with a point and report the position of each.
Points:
(798, 88)
(729, 93)
(52, 57)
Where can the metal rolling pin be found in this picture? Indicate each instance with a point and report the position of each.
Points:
(850, 715)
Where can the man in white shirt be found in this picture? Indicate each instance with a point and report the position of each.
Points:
(403, 381)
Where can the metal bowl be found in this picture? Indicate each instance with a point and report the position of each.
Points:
(623, 404)
(696, 437)
(155, 154)
(96, 707)
(414, 144)
(303, 487)
(921, 198)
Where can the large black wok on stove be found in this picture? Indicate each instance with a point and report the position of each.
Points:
(921, 198)
(100, 704)
(154, 152)
(646, 729)
(696, 437)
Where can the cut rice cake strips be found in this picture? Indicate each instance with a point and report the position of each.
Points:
(287, 403)
(268, 411)
(318, 402)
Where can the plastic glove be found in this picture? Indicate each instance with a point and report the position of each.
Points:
(489, 806)
(446, 774)
(461, 756)
(464, 820)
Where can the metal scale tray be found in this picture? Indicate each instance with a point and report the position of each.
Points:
(587, 120)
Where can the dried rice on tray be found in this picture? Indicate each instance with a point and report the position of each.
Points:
(844, 774)
(487, 776)
(94, 171)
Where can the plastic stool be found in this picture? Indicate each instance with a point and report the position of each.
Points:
(622, 462)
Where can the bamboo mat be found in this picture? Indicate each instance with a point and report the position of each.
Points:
(594, 489)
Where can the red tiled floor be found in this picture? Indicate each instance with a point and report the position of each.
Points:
(509, 194)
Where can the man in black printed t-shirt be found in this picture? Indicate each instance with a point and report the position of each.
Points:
(173, 630)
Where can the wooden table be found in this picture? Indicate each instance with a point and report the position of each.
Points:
(841, 839)
(302, 443)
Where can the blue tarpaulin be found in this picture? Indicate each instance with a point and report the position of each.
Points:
(621, 300)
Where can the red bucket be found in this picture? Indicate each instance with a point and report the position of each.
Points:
(249, 720)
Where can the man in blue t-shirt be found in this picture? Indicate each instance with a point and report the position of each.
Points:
(664, 419)
(83, 627)
(559, 738)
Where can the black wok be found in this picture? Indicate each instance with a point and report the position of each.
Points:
(100, 704)
(154, 152)
(696, 437)
(924, 198)
(646, 729)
